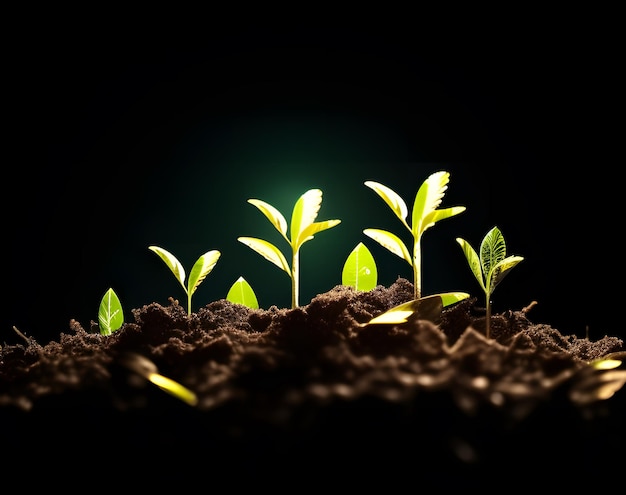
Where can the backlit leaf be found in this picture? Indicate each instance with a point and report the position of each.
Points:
(393, 200)
(201, 268)
(304, 214)
(390, 241)
(241, 293)
(110, 313)
(268, 251)
(359, 270)
(172, 262)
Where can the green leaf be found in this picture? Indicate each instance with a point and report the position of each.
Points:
(393, 200)
(268, 251)
(172, 262)
(201, 268)
(241, 293)
(273, 215)
(308, 233)
(390, 241)
(359, 270)
(502, 269)
(492, 249)
(304, 214)
(472, 260)
(424, 308)
(110, 313)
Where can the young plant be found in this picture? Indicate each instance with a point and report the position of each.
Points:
(201, 268)
(110, 313)
(491, 267)
(425, 214)
(359, 270)
(241, 292)
(303, 228)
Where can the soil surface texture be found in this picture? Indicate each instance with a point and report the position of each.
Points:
(315, 397)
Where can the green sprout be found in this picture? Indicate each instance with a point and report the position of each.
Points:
(241, 292)
(425, 214)
(201, 268)
(303, 228)
(491, 267)
(359, 270)
(110, 313)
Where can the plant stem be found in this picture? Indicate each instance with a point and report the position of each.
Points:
(295, 268)
(488, 318)
(417, 260)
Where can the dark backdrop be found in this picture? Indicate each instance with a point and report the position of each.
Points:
(118, 145)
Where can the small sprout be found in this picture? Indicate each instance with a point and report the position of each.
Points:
(491, 267)
(425, 308)
(110, 314)
(201, 268)
(425, 214)
(242, 293)
(303, 228)
(359, 270)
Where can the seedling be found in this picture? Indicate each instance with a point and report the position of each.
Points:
(110, 313)
(359, 270)
(425, 214)
(491, 267)
(241, 292)
(303, 228)
(201, 268)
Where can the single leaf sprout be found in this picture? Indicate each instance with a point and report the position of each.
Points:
(242, 293)
(425, 214)
(303, 229)
(110, 313)
(490, 267)
(201, 268)
(359, 270)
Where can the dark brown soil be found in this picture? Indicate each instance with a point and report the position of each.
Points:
(314, 396)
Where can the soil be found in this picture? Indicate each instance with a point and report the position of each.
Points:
(315, 397)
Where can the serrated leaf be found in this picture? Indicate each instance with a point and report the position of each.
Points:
(304, 214)
(391, 242)
(268, 251)
(393, 200)
(273, 215)
(172, 262)
(201, 268)
(359, 270)
(425, 308)
(427, 200)
(241, 292)
(110, 313)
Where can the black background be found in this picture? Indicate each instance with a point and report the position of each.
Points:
(118, 144)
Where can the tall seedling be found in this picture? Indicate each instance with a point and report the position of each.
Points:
(425, 214)
(201, 268)
(303, 228)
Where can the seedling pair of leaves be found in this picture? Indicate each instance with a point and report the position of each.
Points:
(424, 215)
(303, 229)
(490, 267)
